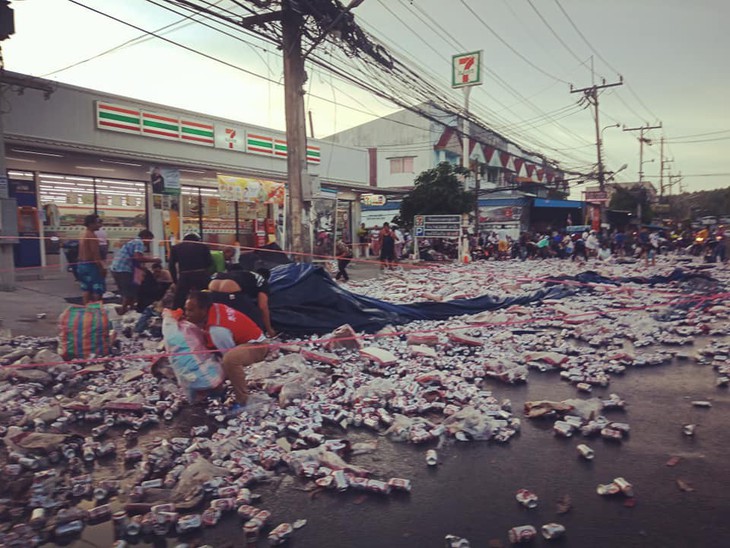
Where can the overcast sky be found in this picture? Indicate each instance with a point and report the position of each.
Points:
(671, 54)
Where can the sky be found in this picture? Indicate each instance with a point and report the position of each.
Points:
(670, 55)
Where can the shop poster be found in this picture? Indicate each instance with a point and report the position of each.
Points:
(244, 189)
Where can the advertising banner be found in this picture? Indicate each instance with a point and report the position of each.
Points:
(244, 189)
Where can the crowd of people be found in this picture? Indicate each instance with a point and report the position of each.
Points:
(645, 243)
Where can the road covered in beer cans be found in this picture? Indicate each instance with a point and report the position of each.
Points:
(476, 427)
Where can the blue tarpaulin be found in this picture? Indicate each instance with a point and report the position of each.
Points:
(305, 300)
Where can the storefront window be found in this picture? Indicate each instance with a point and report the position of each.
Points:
(220, 221)
(67, 199)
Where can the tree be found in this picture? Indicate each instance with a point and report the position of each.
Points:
(437, 191)
(629, 199)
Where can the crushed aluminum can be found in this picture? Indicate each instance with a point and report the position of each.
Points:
(210, 517)
(223, 504)
(133, 454)
(563, 429)
(585, 451)
(377, 486)
(689, 429)
(340, 480)
(188, 523)
(608, 489)
(702, 403)
(400, 484)
(251, 529)
(106, 449)
(70, 528)
(521, 533)
(246, 511)
(526, 498)
(626, 488)
(584, 387)
(622, 427)
(37, 518)
(325, 482)
(552, 531)
(280, 533)
(134, 526)
(151, 484)
(612, 434)
(197, 431)
(227, 491)
(100, 513)
(452, 541)
(432, 457)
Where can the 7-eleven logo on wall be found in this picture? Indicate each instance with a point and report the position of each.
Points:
(466, 69)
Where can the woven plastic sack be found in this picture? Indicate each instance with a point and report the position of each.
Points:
(84, 331)
(195, 367)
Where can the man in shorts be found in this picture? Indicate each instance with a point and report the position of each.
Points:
(91, 270)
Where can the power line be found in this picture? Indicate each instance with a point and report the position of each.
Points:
(631, 90)
(510, 47)
(555, 34)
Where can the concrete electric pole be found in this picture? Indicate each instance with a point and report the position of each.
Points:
(591, 95)
(315, 20)
(642, 130)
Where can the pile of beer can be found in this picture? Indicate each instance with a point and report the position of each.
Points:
(115, 413)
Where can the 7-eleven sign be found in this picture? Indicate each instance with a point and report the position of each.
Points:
(466, 69)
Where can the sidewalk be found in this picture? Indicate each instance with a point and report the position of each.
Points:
(36, 295)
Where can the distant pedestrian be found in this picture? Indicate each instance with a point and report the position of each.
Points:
(190, 264)
(91, 270)
(344, 256)
(400, 241)
(387, 247)
(127, 260)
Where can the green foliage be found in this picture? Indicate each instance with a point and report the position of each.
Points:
(691, 205)
(437, 191)
(628, 200)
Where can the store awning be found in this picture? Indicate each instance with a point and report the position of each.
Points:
(567, 204)
(502, 202)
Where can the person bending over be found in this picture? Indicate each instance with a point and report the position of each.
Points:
(234, 334)
(247, 292)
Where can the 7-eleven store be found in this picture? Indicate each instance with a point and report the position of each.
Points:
(142, 165)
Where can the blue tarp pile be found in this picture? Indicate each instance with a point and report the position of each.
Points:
(305, 300)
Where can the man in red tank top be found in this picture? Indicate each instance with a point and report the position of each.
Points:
(234, 334)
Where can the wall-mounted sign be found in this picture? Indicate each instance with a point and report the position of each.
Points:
(128, 119)
(373, 200)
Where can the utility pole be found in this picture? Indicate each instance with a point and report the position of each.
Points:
(642, 130)
(296, 132)
(591, 95)
(314, 21)
(661, 169)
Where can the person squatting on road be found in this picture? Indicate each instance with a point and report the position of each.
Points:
(234, 334)
(192, 258)
(90, 270)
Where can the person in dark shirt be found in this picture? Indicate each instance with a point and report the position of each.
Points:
(247, 292)
(192, 258)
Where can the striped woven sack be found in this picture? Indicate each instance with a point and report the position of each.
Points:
(84, 332)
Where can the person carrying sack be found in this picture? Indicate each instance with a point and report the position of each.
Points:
(344, 256)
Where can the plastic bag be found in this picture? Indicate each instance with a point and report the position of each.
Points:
(194, 366)
(84, 331)
(472, 422)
